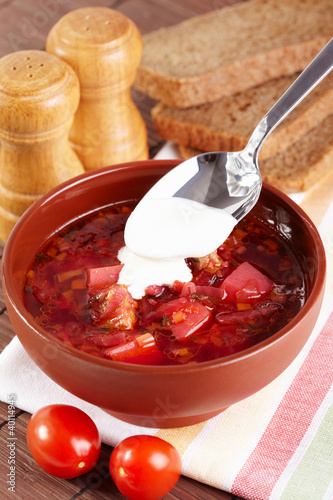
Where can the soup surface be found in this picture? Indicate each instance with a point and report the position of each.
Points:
(242, 293)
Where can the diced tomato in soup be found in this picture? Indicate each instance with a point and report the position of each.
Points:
(247, 284)
(104, 275)
(182, 316)
(245, 291)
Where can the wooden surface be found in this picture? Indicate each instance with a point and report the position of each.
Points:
(25, 24)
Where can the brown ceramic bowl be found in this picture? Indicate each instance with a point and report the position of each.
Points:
(155, 396)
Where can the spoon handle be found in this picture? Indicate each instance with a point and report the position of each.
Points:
(316, 71)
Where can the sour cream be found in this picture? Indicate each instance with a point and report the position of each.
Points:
(139, 272)
(161, 233)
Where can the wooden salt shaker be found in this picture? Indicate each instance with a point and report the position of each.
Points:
(104, 48)
(39, 94)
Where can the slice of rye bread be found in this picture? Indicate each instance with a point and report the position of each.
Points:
(298, 167)
(228, 50)
(227, 124)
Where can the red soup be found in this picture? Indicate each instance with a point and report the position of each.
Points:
(244, 292)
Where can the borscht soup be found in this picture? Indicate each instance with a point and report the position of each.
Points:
(239, 295)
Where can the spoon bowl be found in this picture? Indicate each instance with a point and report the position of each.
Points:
(231, 180)
(227, 181)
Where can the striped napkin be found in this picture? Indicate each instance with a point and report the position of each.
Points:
(275, 445)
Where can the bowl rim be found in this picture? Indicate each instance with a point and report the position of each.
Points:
(17, 305)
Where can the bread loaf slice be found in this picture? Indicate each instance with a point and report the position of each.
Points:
(227, 124)
(228, 50)
(298, 167)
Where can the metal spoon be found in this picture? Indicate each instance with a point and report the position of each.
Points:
(232, 181)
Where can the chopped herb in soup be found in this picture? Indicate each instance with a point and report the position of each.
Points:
(242, 293)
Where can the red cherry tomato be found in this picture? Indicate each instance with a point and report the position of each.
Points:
(63, 440)
(145, 467)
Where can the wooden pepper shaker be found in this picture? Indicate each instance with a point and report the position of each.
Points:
(104, 48)
(39, 94)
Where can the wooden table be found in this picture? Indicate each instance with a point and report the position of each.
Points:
(24, 24)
